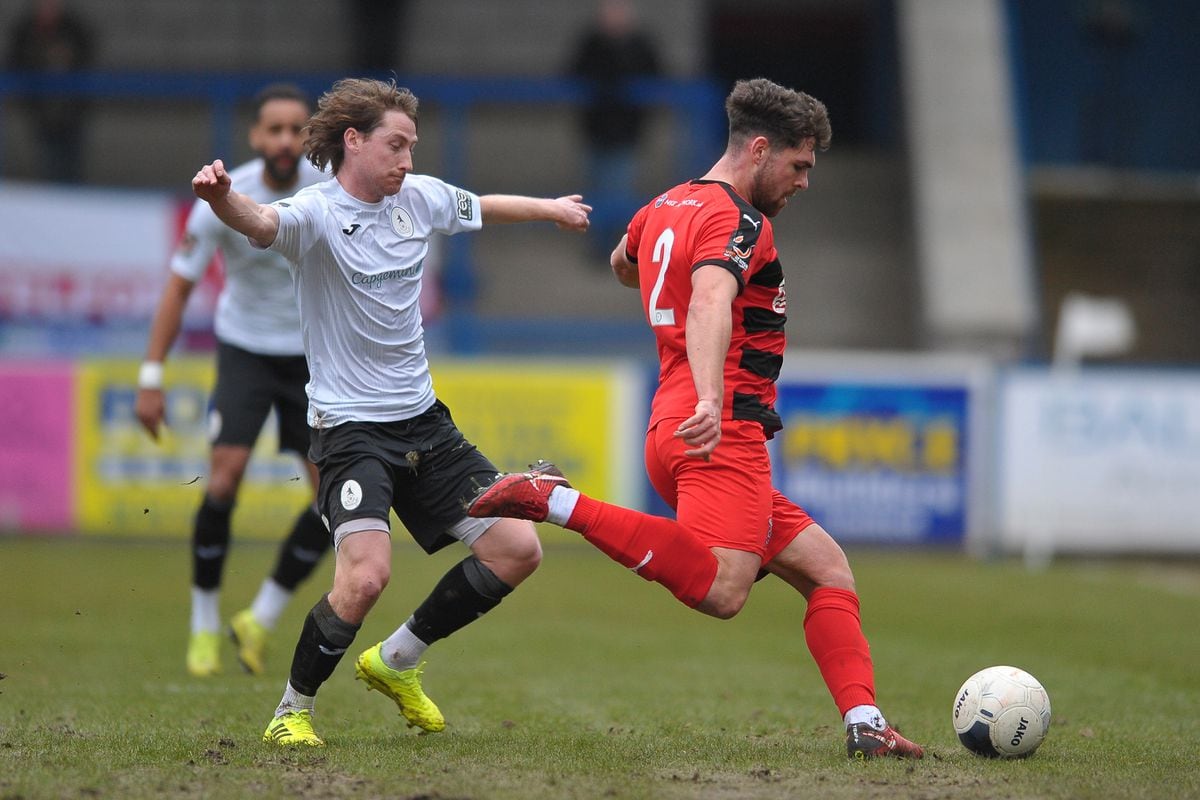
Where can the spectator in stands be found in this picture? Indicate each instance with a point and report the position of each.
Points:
(609, 56)
(52, 40)
(260, 365)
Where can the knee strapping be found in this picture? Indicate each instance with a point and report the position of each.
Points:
(332, 627)
(483, 580)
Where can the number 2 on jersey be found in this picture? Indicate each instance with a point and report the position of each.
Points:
(662, 255)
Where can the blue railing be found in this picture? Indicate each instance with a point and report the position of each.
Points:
(696, 106)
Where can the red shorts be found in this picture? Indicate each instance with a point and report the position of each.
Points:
(728, 501)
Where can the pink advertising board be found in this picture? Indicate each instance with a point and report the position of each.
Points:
(36, 446)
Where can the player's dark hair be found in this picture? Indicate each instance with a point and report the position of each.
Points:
(279, 91)
(358, 103)
(760, 107)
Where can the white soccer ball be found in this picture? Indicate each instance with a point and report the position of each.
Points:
(1001, 712)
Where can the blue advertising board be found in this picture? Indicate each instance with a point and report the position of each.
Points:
(877, 462)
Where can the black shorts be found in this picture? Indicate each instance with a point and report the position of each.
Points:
(422, 467)
(248, 385)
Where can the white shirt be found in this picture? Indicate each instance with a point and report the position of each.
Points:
(256, 309)
(358, 280)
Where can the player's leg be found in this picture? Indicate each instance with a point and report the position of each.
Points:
(502, 556)
(355, 496)
(308, 540)
(299, 555)
(210, 546)
(240, 403)
(362, 569)
(725, 503)
(441, 478)
(500, 559)
(816, 566)
(707, 558)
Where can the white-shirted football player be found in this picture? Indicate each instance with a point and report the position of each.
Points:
(381, 439)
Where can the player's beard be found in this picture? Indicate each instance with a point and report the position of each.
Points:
(282, 168)
(764, 198)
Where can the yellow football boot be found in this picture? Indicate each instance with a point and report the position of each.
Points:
(403, 686)
(293, 729)
(250, 637)
(204, 654)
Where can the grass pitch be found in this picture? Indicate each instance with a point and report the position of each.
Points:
(588, 682)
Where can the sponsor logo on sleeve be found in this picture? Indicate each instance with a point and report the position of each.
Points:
(738, 254)
(466, 209)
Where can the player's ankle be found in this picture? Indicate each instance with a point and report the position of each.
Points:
(561, 504)
(865, 715)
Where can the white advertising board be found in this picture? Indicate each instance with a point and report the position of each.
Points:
(1100, 461)
(83, 254)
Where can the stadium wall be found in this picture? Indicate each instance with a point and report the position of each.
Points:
(915, 450)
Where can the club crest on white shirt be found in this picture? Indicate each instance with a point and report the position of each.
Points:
(402, 223)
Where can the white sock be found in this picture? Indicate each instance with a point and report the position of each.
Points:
(562, 502)
(294, 701)
(269, 603)
(871, 715)
(403, 650)
(206, 610)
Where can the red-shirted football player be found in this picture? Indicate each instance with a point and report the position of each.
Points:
(703, 255)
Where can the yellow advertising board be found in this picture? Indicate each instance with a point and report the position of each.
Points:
(130, 485)
(516, 412)
(575, 414)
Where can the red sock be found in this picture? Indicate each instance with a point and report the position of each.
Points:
(658, 549)
(833, 630)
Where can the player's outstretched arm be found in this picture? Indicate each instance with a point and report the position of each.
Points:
(568, 212)
(150, 405)
(624, 269)
(258, 223)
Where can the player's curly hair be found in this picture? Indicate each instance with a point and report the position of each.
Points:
(358, 103)
(760, 107)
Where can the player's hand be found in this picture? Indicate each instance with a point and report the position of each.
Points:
(150, 409)
(626, 274)
(702, 430)
(625, 271)
(212, 182)
(573, 213)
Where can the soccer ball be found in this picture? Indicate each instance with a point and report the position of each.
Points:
(1001, 712)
